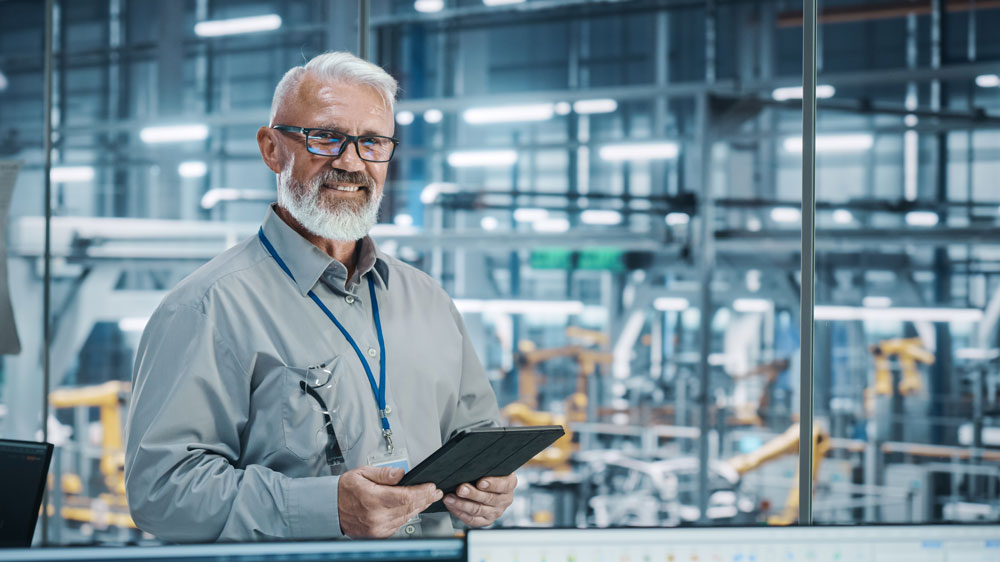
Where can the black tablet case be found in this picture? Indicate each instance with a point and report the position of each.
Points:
(478, 453)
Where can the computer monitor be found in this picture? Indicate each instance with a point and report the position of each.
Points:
(24, 466)
(882, 543)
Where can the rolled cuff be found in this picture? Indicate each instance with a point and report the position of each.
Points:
(312, 503)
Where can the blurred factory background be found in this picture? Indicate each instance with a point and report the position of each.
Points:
(611, 192)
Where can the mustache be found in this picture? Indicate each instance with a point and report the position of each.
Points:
(345, 177)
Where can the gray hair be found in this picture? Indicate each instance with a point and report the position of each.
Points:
(337, 66)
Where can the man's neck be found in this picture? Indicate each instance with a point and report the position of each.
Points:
(341, 250)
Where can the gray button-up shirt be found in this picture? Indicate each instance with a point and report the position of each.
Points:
(221, 441)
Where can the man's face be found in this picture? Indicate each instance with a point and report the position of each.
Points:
(338, 197)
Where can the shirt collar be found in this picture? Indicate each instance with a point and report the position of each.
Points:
(308, 263)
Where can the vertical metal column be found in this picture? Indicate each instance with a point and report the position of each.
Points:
(706, 267)
(47, 265)
(364, 14)
(808, 259)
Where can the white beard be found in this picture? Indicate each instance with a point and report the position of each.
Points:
(345, 222)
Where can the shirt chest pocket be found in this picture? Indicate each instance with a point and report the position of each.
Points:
(315, 398)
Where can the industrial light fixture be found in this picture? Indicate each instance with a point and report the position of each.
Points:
(430, 193)
(677, 218)
(217, 195)
(404, 117)
(236, 26)
(519, 306)
(557, 224)
(192, 169)
(489, 223)
(603, 105)
(876, 302)
(428, 6)
(670, 303)
(3, 82)
(823, 91)
(843, 216)
(752, 305)
(173, 133)
(508, 114)
(988, 81)
(639, 151)
(403, 220)
(529, 214)
(433, 116)
(562, 108)
(833, 143)
(921, 218)
(600, 216)
(906, 314)
(501, 2)
(67, 174)
(132, 324)
(482, 158)
(786, 214)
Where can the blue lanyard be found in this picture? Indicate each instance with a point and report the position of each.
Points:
(378, 389)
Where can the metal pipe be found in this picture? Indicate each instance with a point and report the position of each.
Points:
(864, 12)
(705, 267)
(808, 257)
(364, 19)
(47, 257)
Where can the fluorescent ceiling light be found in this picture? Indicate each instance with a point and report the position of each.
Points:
(173, 133)
(428, 6)
(752, 305)
(235, 26)
(876, 302)
(670, 303)
(828, 312)
(639, 151)
(501, 2)
(132, 324)
(66, 174)
(786, 214)
(489, 223)
(842, 216)
(404, 117)
(217, 195)
(519, 306)
(833, 143)
(192, 169)
(404, 220)
(823, 91)
(3, 82)
(922, 218)
(530, 215)
(605, 105)
(433, 116)
(988, 81)
(677, 218)
(600, 216)
(550, 225)
(470, 158)
(977, 353)
(911, 120)
(508, 114)
(563, 108)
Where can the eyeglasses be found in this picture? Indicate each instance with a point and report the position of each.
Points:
(327, 142)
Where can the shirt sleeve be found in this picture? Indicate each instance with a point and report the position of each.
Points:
(190, 402)
(477, 405)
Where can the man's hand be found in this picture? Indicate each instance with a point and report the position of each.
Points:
(371, 507)
(483, 504)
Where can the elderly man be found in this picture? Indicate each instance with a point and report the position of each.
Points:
(282, 389)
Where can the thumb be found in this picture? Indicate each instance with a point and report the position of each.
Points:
(384, 475)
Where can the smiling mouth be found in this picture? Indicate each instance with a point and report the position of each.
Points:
(345, 188)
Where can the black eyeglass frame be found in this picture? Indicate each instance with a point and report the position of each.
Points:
(351, 139)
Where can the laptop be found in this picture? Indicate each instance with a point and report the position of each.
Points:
(24, 466)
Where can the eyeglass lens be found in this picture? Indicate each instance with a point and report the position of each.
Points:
(331, 143)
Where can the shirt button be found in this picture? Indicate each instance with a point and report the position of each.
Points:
(410, 529)
(349, 299)
(372, 352)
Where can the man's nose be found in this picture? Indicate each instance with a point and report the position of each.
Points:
(349, 159)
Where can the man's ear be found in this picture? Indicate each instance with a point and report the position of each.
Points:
(270, 149)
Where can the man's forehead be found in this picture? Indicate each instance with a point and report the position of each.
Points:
(314, 91)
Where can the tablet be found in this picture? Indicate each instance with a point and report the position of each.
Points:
(478, 453)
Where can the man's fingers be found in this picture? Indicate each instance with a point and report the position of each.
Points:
(472, 514)
(384, 475)
(466, 491)
(467, 506)
(498, 484)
